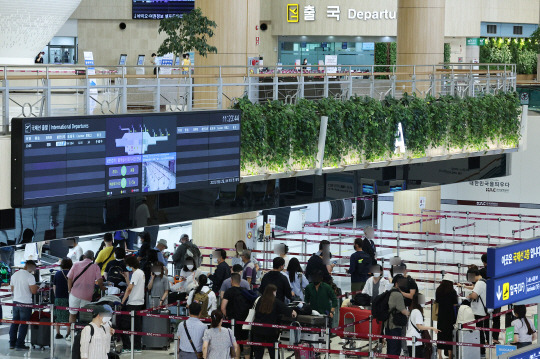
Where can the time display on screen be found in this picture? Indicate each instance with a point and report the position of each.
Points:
(160, 9)
(72, 158)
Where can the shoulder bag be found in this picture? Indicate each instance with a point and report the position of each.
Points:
(232, 349)
(428, 347)
(199, 355)
(80, 274)
(251, 316)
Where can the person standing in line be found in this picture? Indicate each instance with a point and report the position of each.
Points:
(282, 250)
(478, 301)
(360, 264)
(116, 271)
(496, 321)
(217, 341)
(316, 263)
(368, 245)
(376, 284)
(321, 296)
(160, 247)
(98, 344)
(61, 295)
(188, 276)
(190, 334)
(204, 296)
(82, 279)
(75, 251)
(249, 271)
(23, 285)
(416, 324)
(133, 301)
(276, 277)
(297, 278)
(158, 286)
(227, 283)
(144, 245)
(235, 306)
(223, 271)
(396, 304)
(447, 298)
(525, 332)
(106, 254)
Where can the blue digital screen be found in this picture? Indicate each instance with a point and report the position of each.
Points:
(513, 258)
(160, 9)
(368, 189)
(368, 46)
(513, 288)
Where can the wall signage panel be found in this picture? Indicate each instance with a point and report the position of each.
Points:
(513, 288)
(513, 258)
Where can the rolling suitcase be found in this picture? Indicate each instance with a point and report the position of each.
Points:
(40, 335)
(349, 315)
(156, 325)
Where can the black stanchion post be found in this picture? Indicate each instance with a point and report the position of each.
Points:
(370, 333)
(52, 331)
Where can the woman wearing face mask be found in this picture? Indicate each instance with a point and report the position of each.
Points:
(189, 273)
(416, 325)
(376, 284)
(525, 332)
(96, 336)
(268, 310)
(158, 286)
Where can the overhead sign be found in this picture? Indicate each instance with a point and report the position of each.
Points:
(513, 258)
(502, 349)
(524, 353)
(311, 13)
(475, 41)
(513, 288)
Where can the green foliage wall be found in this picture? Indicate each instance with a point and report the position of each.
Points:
(521, 52)
(447, 52)
(279, 136)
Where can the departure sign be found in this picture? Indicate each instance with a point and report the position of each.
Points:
(55, 160)
(512, 258)
(513, 288)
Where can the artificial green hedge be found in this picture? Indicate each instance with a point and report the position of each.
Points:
(278, 136)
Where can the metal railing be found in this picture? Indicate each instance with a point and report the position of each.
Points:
(43, 91)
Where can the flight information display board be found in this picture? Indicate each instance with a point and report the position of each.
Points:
(159, 9)
(59, 159)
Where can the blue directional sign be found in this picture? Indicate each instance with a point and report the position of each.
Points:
(513, 258)
(524, 353)
(513, 288)
(502, 349)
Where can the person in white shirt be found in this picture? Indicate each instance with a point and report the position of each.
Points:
(415, 325)
(204, 289)
(478, 301)
(23, 285)
(133, 301)
(75, 251)
(96, 345)
(376, 284)
(525, 332)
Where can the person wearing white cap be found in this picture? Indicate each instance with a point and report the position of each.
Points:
(160, 247)
(447, 298)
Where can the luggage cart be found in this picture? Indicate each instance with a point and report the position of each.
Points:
(308, 337)
(349, 315)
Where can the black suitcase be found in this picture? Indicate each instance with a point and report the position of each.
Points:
(156, 325)
(312, 321)
(40, 335)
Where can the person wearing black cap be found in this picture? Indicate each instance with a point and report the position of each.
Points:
(396, 305)
(96, 336)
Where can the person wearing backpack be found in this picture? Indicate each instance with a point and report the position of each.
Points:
(184, 250)
(415, 326)
(95, 338)
(116, 271)
(478, 302)
(390, 309)
(204, 296)
(236, 306)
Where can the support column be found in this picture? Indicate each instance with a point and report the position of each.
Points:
(221, 232)
(420, 38)
(235, 38)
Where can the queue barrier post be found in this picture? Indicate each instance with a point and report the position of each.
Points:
(460, 340)
(132, 351)
(72, 328)
(490, 336)
(51, 306)
(399, 231)
(327, 337)
(176, 347)
(370, 332)
(413, 347)
(276, 349)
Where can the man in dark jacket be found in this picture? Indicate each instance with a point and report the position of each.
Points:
(359, 266)
(223, 271)
(276, 277)
(316, 263)
(368, 245)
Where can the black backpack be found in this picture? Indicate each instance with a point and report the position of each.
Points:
(115, 275)
(380, 308)
(361, 299)
(76, 351)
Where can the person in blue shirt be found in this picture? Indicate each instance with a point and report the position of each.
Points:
(359, 266)
(160, 247)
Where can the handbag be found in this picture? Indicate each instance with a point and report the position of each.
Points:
(251, 316)
(435, 311)
(399, 319)
(428, 347)
(232, 349)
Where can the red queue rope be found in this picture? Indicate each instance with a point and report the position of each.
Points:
(483, 213)
(460, 217)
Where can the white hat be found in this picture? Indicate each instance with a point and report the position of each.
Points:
(163, 242)
(448, 277)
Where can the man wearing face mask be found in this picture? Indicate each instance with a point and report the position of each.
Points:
(96, 336)
(376, 284)
(359, 267)
(321, 296)
(478, 301)
(23, 285)
(223, 271)
(396, 304)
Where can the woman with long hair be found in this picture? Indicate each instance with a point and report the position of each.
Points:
(447, 299)
(158, 286)
(268, 310)
(217, 341)
(297, 278)
(240, 247)
(416, 325)
(203, 293)
(525, 332)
